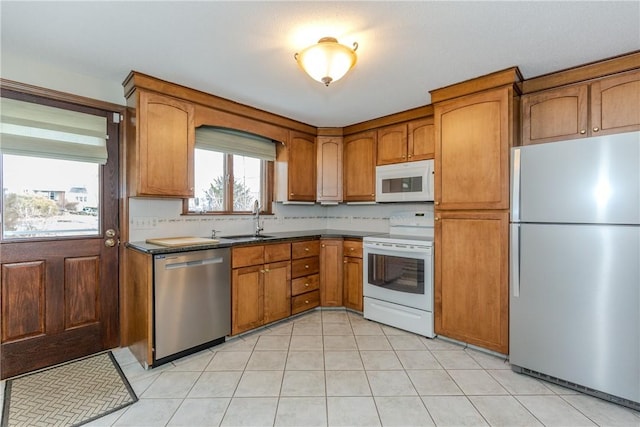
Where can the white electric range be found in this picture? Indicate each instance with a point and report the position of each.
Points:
(398, 273)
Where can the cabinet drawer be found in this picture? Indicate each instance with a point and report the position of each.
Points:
(305, 284)
(305, 249)
(277, 252)
(305, 266)
(304, 302)
(247, 255)
(353, 248)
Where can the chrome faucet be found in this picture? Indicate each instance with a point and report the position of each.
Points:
(256, 217)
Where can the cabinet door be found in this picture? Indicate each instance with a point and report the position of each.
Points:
(421, 140)
(472, 151)
(166, 138)
(471, 283)
(553, 115)
(615, 104)
(247, 298)
(352, 283)
(329, 159)
(301, 177)
(277, 291)
(392, 145)
(331, 272)
(360, 167)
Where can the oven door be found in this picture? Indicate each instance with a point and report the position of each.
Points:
(401, 274)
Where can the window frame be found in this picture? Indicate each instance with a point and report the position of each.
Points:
(267, 186)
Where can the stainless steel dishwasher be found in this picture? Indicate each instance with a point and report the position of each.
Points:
(192, 302)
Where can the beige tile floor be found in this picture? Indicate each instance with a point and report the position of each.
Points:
(334, 368)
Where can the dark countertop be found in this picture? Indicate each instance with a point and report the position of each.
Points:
(269, 238)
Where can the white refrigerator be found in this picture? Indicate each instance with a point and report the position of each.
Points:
(575, 265)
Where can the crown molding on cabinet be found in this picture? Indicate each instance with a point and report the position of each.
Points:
(593, 70)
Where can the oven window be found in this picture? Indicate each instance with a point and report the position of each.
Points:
(411, 184)
(396, 273)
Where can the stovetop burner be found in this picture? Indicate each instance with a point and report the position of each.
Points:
(407, 227)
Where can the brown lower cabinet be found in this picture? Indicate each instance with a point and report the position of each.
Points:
(352, 275)
(471, 277)
(305, 274)
(260, 285)
(331, 272)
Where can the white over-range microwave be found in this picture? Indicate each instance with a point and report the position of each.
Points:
(405, 182)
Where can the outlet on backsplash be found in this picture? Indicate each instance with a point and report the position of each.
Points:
(145, 222)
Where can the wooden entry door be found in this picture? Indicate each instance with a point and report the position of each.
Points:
(59, 295)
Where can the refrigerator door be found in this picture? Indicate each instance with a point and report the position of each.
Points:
(576, 313)
(590, 180)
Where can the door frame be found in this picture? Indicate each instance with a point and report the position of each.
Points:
(55, 98)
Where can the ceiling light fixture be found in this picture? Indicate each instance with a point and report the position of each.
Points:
(327, 61)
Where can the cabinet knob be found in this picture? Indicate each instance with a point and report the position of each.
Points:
(306, 266)
(596, 129)
(307, 249)
(436, 203)
(306, 301)
(291, 194)
(436, 219)
(351, 249)
(583, 131)
(409, 156)
(306, 285)
(261, 271)
(266, 270)
(403, 156)
(323, 246)
(345, 261)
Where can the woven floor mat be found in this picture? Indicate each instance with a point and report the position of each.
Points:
(71, 394)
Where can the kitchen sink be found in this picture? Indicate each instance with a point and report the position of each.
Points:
(246, 237)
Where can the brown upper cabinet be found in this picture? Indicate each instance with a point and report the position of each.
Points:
(360, 167)
(473, 139)
(329, 158)
(605, 106)
(296, 168)
(161, 146)
(392, 145)
(406, 142)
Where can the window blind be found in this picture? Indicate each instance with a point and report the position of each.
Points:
(35, 130)
(235, 142)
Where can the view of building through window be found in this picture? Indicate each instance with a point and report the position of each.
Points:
(49, 197)
(210, 181)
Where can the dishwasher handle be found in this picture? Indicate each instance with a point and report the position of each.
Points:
(195, 263)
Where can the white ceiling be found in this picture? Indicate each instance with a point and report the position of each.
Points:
(244, 51)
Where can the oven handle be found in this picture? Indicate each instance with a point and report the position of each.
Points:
(394, 247)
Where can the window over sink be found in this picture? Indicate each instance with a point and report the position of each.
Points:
(232, 169)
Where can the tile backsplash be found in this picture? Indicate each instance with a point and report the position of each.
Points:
(149, 218)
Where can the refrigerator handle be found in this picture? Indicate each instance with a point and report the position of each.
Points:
(515, 260)
(515, 184)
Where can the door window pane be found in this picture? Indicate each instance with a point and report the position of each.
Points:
(49, 197)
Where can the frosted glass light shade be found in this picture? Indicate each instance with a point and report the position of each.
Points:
(327, 61)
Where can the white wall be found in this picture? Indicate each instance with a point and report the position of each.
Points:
(30, 71)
